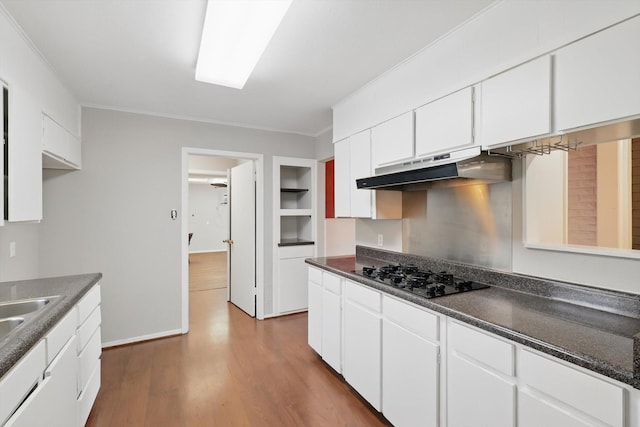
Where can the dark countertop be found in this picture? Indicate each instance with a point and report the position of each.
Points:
(24, 337)
(601, 341)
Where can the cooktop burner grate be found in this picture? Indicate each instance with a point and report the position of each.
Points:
(425, 283)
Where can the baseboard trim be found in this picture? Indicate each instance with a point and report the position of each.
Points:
(142, 338)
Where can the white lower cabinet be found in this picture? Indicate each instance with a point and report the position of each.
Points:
(88, 353)
(410, 365)
(478, 397)
(480, 388)
(363, 342)
(331, 329)
(564, 396)
(55, 384)
(390, 351)
(314, 325)
(53, 402)
(325, 316)
(535, 411)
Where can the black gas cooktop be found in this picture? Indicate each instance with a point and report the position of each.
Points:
(424, 283)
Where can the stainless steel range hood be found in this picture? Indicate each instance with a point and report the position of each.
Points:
(470, 167)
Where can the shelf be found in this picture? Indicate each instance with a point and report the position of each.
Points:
(295, 212)
(295, 242)
(293, 190)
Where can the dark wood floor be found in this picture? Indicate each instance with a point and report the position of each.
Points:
(207, 270)
(230, 370)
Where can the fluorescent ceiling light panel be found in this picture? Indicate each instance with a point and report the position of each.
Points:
(235, 34)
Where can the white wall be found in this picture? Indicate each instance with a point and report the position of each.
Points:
(208, 218)
(367, 231)
(340, 236)
(25, 264)
(114, 215)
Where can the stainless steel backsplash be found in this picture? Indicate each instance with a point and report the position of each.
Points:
(470, 224)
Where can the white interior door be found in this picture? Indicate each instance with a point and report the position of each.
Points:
(242, 239)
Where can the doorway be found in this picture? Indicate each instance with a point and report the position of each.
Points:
(256, 160)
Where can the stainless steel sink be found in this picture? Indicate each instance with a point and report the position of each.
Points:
(8, 325)
(20, 308)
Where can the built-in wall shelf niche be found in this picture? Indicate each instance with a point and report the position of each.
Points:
(295, 182)
(294, 230)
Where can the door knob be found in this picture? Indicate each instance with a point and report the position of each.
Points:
(229, 241)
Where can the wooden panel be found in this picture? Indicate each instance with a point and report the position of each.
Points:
(329, 185)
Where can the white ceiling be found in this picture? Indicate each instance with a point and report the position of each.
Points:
(140, 55)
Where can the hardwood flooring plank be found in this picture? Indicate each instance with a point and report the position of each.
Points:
(230, 370)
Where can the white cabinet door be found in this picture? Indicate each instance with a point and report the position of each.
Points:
(342, 178)
(445, 125)
(534, 412)
(61, 149)
(577, 391)
(598, 78)
(393, 141)
(25, 156)
(315, 317)
(409, 378)
(53, 402)
(362, 353)
(516, 104)
(293, 284)
(478, 397)
(332, 330)
(360, 155)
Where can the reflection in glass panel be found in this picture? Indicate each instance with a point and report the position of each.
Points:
(585, 197)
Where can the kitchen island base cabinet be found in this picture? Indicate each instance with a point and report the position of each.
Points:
(363, 341)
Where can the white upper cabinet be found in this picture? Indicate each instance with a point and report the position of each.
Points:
(516, 105)
(445, 125)
(598, 78)
(360, 154)
(342, 176)
(60, 149)
(393, 140)
(25, 156)
(353, 161)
